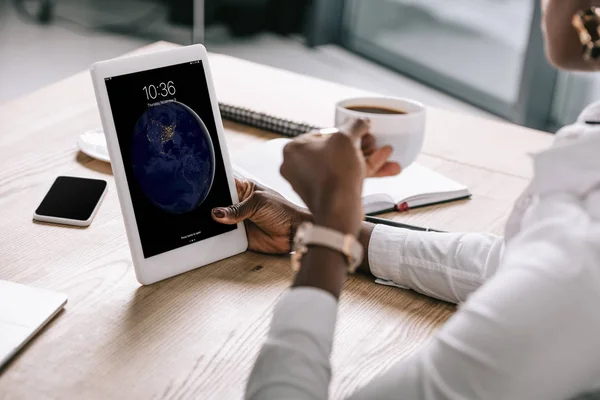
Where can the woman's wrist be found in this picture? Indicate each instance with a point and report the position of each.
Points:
(324, 269)
(342, 213)
(301, 216)
(340, 223)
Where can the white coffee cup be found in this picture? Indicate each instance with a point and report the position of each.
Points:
(404, 132)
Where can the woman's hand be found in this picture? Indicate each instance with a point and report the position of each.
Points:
(327, 172)
(271, 221)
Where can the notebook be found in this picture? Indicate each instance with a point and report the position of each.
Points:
(417, 186)
(265, 122)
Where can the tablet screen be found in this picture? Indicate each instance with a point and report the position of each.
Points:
(171, 153)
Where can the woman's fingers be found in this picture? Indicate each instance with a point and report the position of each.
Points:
(368, 145)
(378, 164)
(246, 187)
(243, 188)
(356, 130)
(377, 159)
(388, 169)
(238, 212)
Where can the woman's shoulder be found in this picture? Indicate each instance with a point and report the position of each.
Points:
(590, 115)
(572, 164)
(587, 123)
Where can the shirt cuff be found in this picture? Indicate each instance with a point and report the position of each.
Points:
(308, 310)
(385, 252)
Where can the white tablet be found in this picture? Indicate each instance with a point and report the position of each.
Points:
(169, 158)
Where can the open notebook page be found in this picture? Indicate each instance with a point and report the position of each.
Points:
(417, 185)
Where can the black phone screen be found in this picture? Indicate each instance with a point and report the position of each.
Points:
(72, 198)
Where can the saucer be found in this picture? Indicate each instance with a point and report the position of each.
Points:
(93, 143)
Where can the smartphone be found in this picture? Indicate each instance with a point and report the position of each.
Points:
(71, 201)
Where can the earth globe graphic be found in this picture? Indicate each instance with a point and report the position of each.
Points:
(173, 157)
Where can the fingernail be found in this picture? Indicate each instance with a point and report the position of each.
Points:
(219, 212)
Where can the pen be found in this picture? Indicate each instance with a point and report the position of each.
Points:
(387, 222)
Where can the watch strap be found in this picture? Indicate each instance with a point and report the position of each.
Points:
(313, 235)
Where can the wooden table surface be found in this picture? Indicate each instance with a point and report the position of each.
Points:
(197, 335)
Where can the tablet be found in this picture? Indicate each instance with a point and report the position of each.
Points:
(169, 158)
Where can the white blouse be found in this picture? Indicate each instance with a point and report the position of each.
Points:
(529, 322)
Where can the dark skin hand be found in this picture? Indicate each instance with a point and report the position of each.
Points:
(328, 173)
(271, 221)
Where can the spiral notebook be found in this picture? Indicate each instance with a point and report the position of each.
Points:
(264, 121)
(417, 186)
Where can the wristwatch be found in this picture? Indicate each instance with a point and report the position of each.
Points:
(313, 235)
(587, 25)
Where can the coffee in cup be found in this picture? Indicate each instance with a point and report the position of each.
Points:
(399, 123)
(375, 110)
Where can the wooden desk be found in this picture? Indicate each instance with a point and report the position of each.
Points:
(196, 335)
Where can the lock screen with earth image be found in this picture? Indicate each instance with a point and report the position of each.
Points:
(173, 157)
(171, 153)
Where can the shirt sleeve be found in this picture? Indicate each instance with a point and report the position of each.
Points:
(294, 361)
(447, 266)
(530, 333)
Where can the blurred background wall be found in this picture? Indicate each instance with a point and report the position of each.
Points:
(479, 56)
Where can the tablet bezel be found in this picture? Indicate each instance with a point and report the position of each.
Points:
(191, 256)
